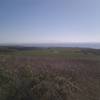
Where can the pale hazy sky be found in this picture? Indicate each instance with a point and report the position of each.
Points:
(49, 21)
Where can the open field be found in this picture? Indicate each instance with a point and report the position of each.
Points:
(49, 73)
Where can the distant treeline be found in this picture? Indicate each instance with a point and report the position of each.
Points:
(6, 49)
(91, 51)
(11, 49)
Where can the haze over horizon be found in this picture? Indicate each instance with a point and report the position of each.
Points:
(49, 21)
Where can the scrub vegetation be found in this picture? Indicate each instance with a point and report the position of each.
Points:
(29, 73)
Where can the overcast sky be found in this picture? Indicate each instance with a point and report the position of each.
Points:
(49, 21)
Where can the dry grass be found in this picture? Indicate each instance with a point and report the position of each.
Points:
(49, 78)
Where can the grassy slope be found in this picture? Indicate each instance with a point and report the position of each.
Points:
(55, 52)
(50, 74)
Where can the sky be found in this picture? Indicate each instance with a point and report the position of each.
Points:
(49, 21)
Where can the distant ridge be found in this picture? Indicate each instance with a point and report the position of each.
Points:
(79, 45)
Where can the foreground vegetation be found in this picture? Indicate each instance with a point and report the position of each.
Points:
(49, 74)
